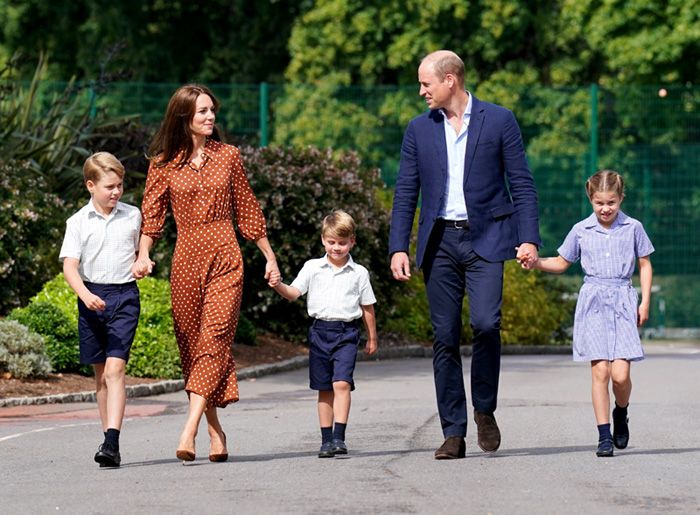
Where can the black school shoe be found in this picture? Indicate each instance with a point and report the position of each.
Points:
(605, 448)
(107, 456)
(339, 447)
(326, 450)
(621, 431)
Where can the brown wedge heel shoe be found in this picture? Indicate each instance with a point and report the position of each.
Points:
(218, 458)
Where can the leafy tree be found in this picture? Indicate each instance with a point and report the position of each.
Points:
(165, 40)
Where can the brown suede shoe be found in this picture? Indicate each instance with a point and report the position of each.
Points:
(453, 448)
(488, 435)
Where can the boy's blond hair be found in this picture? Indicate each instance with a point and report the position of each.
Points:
(338, 224)
(99, 164)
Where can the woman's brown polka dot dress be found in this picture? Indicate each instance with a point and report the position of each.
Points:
(207, 271)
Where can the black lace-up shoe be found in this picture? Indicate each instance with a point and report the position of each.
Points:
(108, 456)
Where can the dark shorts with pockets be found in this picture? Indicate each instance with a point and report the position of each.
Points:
(332, 353)
(109, 333)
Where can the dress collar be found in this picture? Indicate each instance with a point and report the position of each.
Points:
(592, 221)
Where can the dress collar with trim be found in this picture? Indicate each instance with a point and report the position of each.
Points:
(592, 221)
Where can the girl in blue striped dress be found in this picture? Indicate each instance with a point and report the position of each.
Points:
(608, 243)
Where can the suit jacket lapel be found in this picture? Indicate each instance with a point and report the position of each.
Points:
(473, 133)
(440, 144)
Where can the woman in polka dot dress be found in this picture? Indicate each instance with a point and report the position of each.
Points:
(203, 181)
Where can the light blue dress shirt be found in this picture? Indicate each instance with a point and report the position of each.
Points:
(455, 207)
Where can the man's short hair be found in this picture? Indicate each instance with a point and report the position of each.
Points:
(444, 62)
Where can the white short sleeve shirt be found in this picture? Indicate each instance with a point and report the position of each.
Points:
(105, 246)
(334, 293)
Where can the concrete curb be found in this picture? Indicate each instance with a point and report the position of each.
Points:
(169, 386)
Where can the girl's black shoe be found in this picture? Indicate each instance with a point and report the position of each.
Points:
(621, 431)
(605, 448)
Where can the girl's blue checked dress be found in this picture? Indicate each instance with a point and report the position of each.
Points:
(605, 324)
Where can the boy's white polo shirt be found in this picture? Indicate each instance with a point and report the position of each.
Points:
(105, 245)
(334, 293)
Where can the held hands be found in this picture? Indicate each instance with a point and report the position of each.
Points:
(400, 267)
(272, 273)
(93, 302)
(527, 256)
(142, 267)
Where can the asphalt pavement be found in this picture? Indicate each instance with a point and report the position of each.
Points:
(546, 463)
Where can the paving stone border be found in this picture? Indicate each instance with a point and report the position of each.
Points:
(168, 386)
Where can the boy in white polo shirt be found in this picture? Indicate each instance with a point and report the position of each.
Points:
(98, 250)
(339, 293)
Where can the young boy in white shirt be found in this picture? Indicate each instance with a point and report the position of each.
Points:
(98, 250)
(339, 294)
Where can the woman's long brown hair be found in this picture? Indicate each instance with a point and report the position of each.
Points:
(174, 134)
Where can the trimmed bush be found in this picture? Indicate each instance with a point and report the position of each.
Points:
(59, 331)
(537, 309)
(21, 351)
(31, 225)
(154, 352)
(297, 188)
(246, 333)
(53, 313)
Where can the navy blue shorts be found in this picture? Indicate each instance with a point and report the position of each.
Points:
(332, 353)
(109, 333)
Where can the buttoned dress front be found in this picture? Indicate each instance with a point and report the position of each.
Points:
(207, 270)
(605, 323)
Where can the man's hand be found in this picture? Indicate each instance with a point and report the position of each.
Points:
(527, 255)
(400, 267)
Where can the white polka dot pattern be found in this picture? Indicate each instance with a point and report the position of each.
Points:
(207, 272)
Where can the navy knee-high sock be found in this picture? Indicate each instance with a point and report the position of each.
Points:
(339, 431)
(326, 434)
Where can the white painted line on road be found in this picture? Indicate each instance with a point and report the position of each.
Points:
(17, 435)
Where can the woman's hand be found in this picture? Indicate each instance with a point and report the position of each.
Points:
(142, 267)
(272, 273)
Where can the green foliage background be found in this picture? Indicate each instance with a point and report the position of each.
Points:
(53, 313)
(349, 68)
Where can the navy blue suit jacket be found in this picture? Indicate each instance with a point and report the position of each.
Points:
(498, 185)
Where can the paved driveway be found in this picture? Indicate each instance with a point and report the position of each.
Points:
(546, 463)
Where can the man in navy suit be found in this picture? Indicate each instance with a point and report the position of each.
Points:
(466, 160)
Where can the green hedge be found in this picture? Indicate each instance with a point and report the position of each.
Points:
(537, 309)
(154, 352)
(297, 188)
(53, 313)
(59, 331)
(31, 225)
